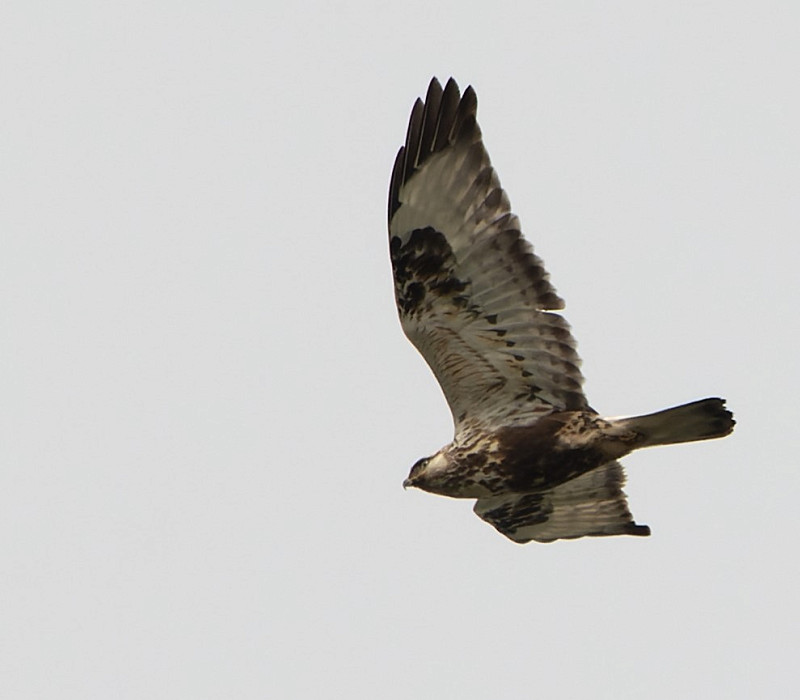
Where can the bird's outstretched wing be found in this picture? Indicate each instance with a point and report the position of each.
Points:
(472, 296)
(592, 504)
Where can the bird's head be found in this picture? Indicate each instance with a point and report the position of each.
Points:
(427, 472)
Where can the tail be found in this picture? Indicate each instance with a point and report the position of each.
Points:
(699, 420)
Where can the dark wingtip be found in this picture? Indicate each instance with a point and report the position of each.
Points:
(442, 118)
(723, 417)
(470, 99)
(397, 174)
(413, 135)
(434, 86)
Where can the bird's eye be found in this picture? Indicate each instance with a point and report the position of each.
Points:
(419, 464)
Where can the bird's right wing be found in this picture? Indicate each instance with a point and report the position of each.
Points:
(592, 504)
(471, 294)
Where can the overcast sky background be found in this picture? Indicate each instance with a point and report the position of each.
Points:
(208, 406)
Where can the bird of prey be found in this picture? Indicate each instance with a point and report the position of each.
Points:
(478, 305)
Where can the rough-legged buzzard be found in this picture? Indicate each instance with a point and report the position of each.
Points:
(478, 304)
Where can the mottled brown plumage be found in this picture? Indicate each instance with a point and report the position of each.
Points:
(478, 304)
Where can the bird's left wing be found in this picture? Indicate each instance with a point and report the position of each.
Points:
(472, 296)
(592, 504)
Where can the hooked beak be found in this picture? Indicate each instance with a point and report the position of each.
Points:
(407, 483)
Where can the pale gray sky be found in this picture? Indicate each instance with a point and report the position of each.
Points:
(208, 406)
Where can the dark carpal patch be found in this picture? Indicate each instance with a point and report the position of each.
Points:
(425, 266)
(530, 509)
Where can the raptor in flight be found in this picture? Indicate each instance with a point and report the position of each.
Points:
(478, 305)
